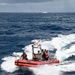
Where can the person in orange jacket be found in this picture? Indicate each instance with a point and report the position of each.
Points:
(46, 55)
(43, 55)
(24, 56)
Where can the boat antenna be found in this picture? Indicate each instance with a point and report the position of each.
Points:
(32, 51)
(40, 49)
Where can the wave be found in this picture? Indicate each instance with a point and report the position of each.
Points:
(55, 27)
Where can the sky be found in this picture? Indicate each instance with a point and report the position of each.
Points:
(37, 5)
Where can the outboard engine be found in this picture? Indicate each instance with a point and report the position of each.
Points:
(52, 53)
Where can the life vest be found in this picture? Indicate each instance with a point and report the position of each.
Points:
(46, 54)
(24, 55)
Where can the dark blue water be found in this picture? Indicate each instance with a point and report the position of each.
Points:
(18, 29)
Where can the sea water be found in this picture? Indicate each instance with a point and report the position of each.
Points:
(52, 30)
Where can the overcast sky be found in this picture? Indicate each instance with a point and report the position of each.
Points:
(37, 5)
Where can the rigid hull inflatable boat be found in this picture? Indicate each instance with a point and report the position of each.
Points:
(25, 63)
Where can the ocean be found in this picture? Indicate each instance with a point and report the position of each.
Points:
(52, 30)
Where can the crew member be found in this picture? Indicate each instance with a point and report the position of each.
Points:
(43, 55)
(46, 55)
(35, 58)
(39, 53)
(24, 56)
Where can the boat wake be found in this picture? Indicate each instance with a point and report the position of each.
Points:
(65, 45)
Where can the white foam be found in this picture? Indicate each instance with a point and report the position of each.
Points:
(8, 64)
(47, 70)
(68, 67)
(56, 69)
(62, 41)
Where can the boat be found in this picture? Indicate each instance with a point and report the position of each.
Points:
(44, 12)
(24, 64)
